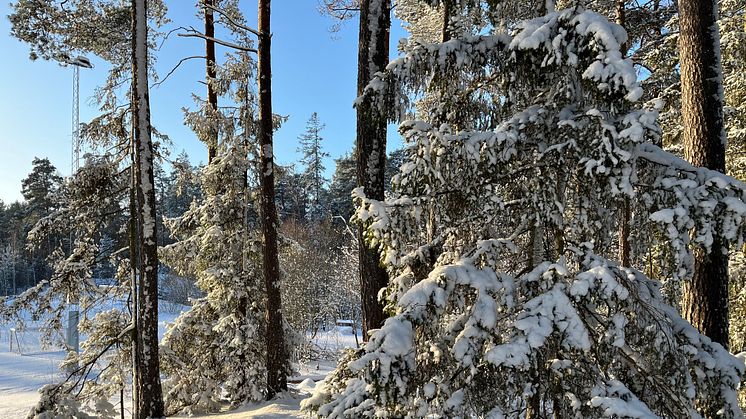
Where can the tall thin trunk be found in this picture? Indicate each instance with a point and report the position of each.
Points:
(624, 247)
(626, 209)
(243, 301)
(373, 55)
(150, 394)
(134, 258)
(538, 256)
(212, 95)
(705, 297)
(621, 19)
(446, 30)
(276, 353)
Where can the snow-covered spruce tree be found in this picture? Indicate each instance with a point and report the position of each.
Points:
(215, 350)
(515, 307)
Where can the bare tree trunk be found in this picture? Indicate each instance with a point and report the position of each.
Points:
(626, 210)
(621, 20)
(149, 383)
(212, 95)
(276, 353)
(373, 55)
(705, 297)
(446, 30)
(533, 406)
(624, 247)
(134, 258)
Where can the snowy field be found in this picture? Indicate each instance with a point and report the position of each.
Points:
(23, 372)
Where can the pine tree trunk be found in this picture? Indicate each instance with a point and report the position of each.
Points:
(212, 96)
(150, 394)
(705, 297)
(276, 356)
(446, 30)
(373, 55)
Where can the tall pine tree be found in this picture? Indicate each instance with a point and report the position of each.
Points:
(275, 335)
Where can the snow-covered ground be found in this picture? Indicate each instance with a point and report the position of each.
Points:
(23, 372)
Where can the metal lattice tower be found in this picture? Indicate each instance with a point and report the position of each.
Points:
(75, 144)
(72, 335)
(76, 63)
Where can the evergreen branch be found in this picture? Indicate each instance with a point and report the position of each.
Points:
(90, 363)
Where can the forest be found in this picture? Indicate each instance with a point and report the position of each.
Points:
(561, 234)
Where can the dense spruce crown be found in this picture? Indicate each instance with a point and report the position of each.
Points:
(214, 351)
(506, 299)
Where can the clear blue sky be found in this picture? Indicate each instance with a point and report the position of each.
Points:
(313, 71)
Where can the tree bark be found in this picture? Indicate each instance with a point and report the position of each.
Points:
(624, 247)
(134, 260)
(621, 19)
(276, 356)
(446, 30)
(149, 382)
(212, 96)
(705, 297)
(626, 210)
(373, 55)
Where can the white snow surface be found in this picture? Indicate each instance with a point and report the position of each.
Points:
(23, 374)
